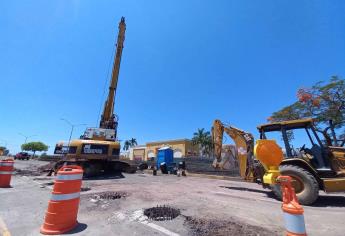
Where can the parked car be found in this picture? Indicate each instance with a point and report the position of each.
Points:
(22, 156)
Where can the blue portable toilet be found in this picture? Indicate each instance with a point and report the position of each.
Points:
(165, 154)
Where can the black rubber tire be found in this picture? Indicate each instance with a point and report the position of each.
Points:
(310, 192)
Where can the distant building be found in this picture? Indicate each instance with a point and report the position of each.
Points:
(138, 153)
(181, 148)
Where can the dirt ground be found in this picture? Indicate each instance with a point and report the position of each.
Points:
(117, 203)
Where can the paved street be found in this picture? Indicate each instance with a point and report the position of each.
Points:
(221, 205)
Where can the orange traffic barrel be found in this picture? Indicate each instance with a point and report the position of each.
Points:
(6, 170)
(292, 210)
(61, 215)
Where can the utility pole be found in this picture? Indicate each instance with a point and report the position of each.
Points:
(72, 128)
(27, 137)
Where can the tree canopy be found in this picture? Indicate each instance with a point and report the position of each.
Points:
(204, 140)
(130, 143)
(325, 103)
(34, 147)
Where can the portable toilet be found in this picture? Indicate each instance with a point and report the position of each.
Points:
(165, 154)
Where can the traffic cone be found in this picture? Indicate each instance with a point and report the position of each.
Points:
(292, 210)
(61, 215)
(6, 170)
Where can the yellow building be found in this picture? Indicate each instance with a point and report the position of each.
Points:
(138, 153)
(181, 148)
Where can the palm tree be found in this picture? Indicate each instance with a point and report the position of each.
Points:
(133, 142)
(126, 145)
(203, 139)
(130, 143)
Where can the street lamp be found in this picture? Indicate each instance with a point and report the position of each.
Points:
(26, 137)
(72, 128)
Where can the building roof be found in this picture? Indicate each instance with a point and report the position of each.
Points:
(164, 148)
(138, 147)
(169, 141)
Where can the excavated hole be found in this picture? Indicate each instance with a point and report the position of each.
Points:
(112, 195)
(85, 189)
(220, 227)
(161, 213)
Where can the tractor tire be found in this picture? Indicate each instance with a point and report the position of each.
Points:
(306, 194)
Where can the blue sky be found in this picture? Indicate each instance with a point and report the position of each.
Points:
(184, 64)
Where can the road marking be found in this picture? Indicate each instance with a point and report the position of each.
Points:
(3, 228)
(139, 216)
(159, 228)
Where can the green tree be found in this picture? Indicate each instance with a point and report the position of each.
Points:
(133, 142)
(325, 103)
(203, 139)
(34, 147)
(130, 143)
(126, 145)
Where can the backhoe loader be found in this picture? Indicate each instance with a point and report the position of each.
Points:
(314, 166)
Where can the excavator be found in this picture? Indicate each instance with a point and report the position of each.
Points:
(244, 143)
(98, 149)
(319, 166)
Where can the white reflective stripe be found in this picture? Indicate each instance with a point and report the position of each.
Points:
(6, 164)
(69, 177)
(62, 197)
(6, 172)
(294, 223)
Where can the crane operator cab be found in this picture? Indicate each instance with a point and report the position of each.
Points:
(99, 134)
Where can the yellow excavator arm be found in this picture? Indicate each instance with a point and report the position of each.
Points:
(244, 142)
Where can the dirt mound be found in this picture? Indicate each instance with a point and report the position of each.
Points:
(213, 227)
(46, 167)
(34, 170)
(26, 172)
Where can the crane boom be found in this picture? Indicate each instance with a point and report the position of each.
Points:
(108, 118)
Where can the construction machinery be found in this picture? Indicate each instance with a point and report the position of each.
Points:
(314, 166)
(98, 149)
(244, 142)
(4, 151)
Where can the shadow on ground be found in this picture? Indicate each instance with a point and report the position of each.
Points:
(267, 192)
(80, 227)
(323, 201)
(330, 201)
(116, 175)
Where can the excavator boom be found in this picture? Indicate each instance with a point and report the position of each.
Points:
(244, 143)
(108, 118)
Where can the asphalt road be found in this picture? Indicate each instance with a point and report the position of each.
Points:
(22, 207)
